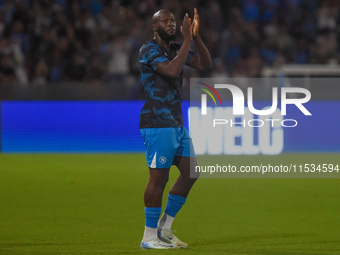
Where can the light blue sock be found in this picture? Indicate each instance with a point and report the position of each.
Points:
(174, 204)
(151, 216)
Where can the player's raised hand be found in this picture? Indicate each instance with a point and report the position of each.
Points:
(196, 23)
(187, 27)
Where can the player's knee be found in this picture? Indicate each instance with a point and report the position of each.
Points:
(193, 180)
(194, 175)
(163, 182)
(190, 179)
(160, 182)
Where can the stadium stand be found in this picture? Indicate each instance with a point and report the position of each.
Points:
(72, 49)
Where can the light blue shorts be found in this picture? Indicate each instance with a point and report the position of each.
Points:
(163, 144)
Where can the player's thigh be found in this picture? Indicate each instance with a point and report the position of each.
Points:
(187, 167)
(161, 145)
(186, 147)
(185, 158)
(159, 176)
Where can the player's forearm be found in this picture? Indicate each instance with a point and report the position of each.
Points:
(203, 54)
(176, 65)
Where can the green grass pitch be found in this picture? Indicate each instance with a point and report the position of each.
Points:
(93, 204)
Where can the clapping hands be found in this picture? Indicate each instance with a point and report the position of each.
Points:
(189, 29)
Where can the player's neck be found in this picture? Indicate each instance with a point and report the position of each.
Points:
(162, 43)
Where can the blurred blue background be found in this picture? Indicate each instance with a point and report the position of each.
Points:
(112, 126)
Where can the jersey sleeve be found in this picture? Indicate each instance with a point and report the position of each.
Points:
(151, 55)
(191, 55)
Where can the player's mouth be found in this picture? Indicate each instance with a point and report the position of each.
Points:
(171, 30)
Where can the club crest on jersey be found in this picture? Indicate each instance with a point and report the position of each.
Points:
(162, 160)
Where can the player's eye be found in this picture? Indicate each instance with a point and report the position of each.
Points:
(168, 20)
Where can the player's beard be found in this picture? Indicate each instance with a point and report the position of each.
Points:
(165, 36)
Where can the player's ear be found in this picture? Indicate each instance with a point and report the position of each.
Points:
(154, 28)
